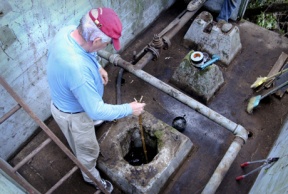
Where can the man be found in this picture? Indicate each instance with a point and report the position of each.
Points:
(226, 11)
(77, 82)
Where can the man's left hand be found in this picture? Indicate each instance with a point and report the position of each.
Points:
(104, 75)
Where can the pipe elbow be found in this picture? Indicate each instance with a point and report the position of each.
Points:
(241, 132)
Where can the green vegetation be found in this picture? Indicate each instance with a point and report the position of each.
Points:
(269, 14)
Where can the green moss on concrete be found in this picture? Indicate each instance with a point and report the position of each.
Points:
(159, 134)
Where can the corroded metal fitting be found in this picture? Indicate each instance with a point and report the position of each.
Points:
(154, 51)
(157, 42)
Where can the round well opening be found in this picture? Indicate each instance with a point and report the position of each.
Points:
(133, 149)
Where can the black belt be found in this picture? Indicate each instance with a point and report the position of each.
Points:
(66, 112)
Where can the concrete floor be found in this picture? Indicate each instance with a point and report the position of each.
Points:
(261, 49)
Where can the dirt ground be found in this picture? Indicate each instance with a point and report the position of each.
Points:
(260, 50)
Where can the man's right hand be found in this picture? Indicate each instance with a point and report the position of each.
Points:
(137, 108)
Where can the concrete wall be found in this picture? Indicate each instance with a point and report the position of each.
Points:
(275, 179)
(26, 28)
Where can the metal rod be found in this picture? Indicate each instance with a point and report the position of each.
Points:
(51, 134)
(142, 137)
(17, 177)
(60, 182)
(142, 132)
(33, 153)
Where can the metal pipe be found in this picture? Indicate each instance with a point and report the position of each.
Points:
(169, 32)
(236, 129)
(163, 32)
(204, 110)
(223, 166)
(184, 18)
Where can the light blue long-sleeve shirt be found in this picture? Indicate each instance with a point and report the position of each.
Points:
(75, 82)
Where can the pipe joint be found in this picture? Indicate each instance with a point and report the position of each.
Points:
(114, 58)
(241, 132)
(155, 52)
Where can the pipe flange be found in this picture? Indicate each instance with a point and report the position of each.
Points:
(166, 42)
(154, 51)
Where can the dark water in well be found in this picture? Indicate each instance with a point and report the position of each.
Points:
(136, 155)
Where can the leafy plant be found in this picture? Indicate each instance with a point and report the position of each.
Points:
(268, 21)
(276, 21)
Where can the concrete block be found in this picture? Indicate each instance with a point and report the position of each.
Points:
(206, 35)
(172, 148)
(199, 83)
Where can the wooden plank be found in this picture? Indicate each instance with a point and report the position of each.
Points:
(276, 68)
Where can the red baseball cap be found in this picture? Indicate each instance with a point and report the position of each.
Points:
(109, 23)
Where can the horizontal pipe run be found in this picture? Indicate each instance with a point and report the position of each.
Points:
(169, 32)
(239, 131)
(183, 20)
(204, 110)
(161, 34)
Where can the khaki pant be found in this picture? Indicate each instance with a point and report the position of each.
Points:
(80, 134)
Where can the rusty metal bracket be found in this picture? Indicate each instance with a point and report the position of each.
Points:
(166, 42)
